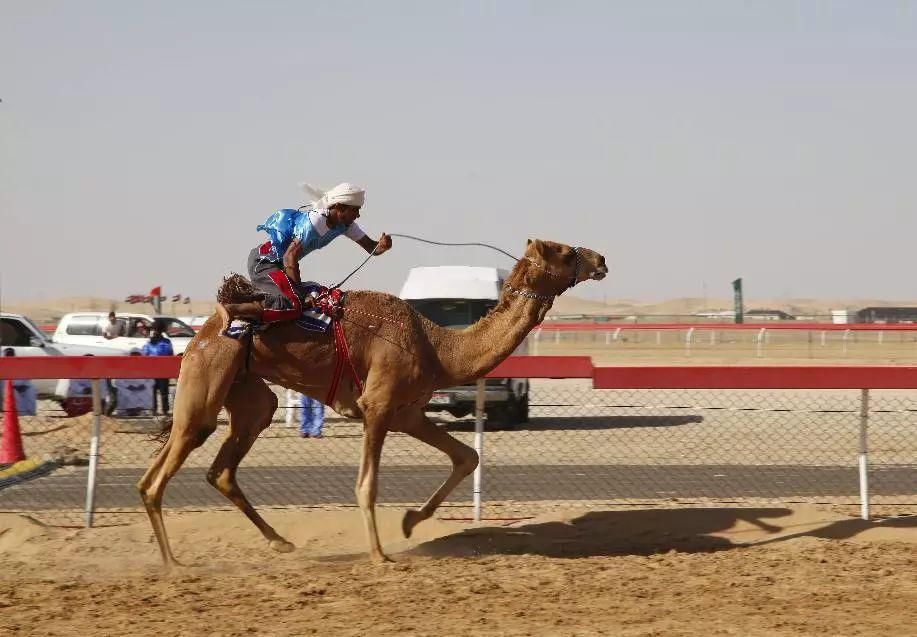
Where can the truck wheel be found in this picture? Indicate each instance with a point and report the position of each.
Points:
(509, 414)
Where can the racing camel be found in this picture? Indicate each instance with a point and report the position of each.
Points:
(402, 356)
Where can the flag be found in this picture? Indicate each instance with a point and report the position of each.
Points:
(156, 291)
(176, 298)
(187, 299)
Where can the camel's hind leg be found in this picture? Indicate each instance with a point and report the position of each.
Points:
(464, 460)
(187, 434)
(250, 404)
(208, 368)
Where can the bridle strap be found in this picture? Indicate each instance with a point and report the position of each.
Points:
(576, 267)
(544, 297)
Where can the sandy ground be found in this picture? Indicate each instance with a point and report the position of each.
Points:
(776, 571)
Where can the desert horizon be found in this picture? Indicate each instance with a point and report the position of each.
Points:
(47, 310)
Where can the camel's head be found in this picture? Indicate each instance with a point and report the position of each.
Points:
(567, 266)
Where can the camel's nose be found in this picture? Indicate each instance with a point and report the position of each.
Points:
(601, 270)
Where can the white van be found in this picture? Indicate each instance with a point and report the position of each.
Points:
(455, 297)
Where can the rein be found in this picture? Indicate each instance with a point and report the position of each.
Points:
(332, 304)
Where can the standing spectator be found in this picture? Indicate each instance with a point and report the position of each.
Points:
(312, 417)
(113, 329)
(24, 391)
(159, 345)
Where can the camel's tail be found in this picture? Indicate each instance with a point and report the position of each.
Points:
(162, 436)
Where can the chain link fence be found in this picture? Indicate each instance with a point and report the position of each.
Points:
(580, 446)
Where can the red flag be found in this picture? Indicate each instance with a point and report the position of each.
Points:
(156, 291)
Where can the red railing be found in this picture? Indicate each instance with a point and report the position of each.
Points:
(619, 377)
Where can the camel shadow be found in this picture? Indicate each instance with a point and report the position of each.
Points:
(583, 423)
(848, 529)
(607, 533)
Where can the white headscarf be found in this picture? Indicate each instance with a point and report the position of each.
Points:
(345, 193)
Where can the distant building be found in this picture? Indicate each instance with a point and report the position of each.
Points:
(844, 316)
(887, 315)
(750, 315)
(769, 315)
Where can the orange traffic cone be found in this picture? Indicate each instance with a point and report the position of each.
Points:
(11, 446)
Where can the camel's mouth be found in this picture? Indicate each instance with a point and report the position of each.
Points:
(599, 274)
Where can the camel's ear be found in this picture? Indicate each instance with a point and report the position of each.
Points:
(540, 248)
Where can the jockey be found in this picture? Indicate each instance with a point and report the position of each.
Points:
(273, 266)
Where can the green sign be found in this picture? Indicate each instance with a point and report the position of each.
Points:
(739, 311)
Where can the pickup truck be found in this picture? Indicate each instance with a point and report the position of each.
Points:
(455, 297)
(26, 339)
(86, 328)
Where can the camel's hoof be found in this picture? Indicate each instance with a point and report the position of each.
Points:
(411, 519)
(381, 558)
(172, 566)
(282, 546)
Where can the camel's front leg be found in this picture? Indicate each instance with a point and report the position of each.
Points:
(375, 425)
(464, 461)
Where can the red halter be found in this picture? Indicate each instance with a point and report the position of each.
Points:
(330, 303)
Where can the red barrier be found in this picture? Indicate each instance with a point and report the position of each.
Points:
(544, 367)
(631, 377)
(90, 367)
(770, 377)
(168, 366)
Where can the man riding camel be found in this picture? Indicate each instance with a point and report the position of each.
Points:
(273, 266)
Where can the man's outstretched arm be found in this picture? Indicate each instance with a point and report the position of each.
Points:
(384, 244)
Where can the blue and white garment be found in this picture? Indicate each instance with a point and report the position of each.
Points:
(133, 395)
(309, 225)
(26, 397)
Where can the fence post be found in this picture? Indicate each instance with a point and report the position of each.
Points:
(864, 454)
(689, 336)
(94, 450)
(479, 447)
(761, 335)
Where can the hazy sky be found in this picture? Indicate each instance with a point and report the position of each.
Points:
(689, 142)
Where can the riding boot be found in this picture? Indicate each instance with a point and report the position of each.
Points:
(252, 310)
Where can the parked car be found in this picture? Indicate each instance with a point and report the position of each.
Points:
(27, 339)
(86, 328)
(196, 321)
(455, 297)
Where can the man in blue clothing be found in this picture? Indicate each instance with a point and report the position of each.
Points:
(273, 266)
(312, 417)
(159, 345)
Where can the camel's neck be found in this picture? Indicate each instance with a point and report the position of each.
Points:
(470, 353)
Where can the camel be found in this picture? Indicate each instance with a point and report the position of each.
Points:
(401, 356)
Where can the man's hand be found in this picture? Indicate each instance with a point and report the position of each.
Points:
(384, 244)
(291, 256)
